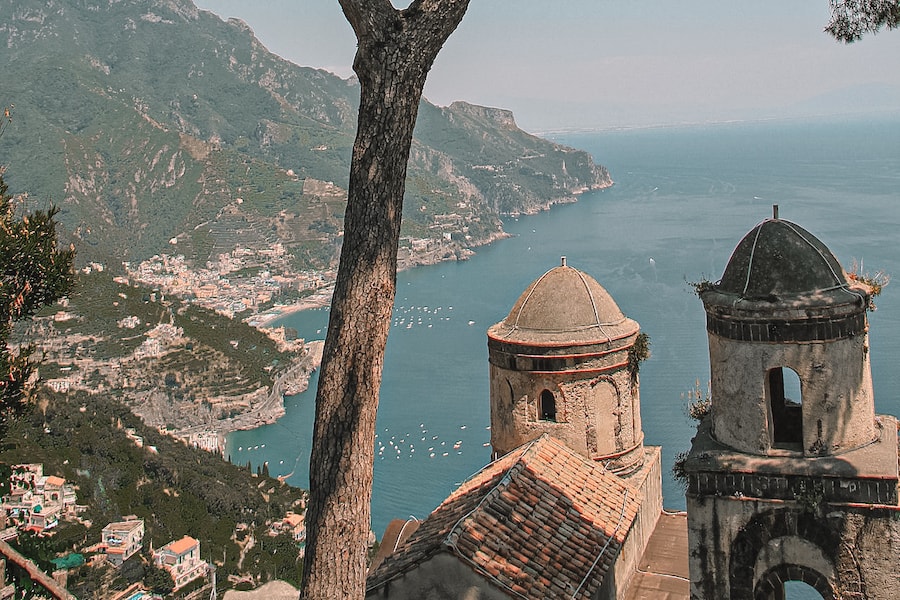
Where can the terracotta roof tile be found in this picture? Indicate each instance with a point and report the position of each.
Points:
(533, 521)
(181, 546)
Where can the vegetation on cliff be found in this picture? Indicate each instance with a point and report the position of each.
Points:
(153, 121)
(176, 489)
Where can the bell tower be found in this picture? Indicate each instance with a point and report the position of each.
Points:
(564, 362)
(791, 466)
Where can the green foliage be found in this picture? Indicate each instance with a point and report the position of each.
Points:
(679, 474)
(852, 19)
(177, 490)
(278, 557)
(35, 273)
(873, 283)
(638, 353)
(698, 402)
(701, 286)
(158, 580)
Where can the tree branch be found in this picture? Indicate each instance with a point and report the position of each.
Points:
(367, 16)
(852, 19)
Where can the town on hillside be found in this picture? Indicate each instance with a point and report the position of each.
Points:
(36, 504)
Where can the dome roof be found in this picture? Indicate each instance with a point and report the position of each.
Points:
(564, 305)
(780, 262)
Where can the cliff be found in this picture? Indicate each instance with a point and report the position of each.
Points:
(152, 123)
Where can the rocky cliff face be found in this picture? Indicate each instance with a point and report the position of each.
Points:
(151, 122)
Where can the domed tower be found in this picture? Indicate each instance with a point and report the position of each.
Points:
(785, 312)
(563, 362)
(791, 477)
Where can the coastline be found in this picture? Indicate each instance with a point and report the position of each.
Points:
(273, 407)
(322, 297)
(294, 380)
(265, 319)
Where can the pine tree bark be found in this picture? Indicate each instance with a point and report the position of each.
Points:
(396, 49)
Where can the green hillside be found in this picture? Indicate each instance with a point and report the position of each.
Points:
(177, 490)
(150, 120)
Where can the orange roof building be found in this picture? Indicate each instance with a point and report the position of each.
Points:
(181, 558)
(568, 507)
(541, 522)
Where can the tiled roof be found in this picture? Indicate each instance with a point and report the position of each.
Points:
(181, 546)
(123, 526)
(564, 306)
(540, 522)
(57, 481)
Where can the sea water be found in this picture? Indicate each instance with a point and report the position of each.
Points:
(683, 198)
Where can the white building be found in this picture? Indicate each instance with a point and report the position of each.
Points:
(122, 539)
(181, 558)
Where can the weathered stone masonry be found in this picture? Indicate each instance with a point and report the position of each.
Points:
(791, 489)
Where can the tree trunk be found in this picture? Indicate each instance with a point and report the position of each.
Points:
(396, 50)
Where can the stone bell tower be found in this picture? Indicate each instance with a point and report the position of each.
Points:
(563, 362)
(791, 481)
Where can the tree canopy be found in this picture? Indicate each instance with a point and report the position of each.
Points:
(852, 19)
(35, 273)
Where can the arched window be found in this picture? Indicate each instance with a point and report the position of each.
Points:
(799, 590)
(786, 403)
(547, 407)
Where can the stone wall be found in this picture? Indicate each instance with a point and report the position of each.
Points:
(743, 548)
(836, 382)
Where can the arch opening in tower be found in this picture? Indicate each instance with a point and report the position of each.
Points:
(548, 406)
(786, 406)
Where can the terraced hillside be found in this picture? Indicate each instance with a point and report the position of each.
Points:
(177, 366)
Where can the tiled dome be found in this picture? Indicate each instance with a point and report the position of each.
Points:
(780, 264)
(564, 305)
(779, 258)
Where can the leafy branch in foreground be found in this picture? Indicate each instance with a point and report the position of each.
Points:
(852, 19)
(34, 272)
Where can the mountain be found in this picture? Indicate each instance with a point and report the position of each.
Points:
(151, 123)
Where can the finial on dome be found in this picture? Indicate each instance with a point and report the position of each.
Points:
(562, 261)
(775, 211)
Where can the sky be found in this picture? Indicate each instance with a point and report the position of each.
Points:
(600, 64)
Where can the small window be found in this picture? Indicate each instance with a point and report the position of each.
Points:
(547, 408)
(787, 408)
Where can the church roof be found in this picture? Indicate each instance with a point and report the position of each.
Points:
(780, 262)
(542, 521)
(564, 305)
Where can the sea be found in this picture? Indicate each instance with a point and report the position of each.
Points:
(683, 198)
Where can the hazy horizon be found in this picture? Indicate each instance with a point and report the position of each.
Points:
(594, 65)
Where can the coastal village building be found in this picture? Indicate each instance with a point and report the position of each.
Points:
(36, 502)
(122, 539)
(792, 477)
(181, 558)
(293, 524)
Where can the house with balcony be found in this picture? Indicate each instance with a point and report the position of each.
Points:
(36, 501)
(122, 539)
(181, 558)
